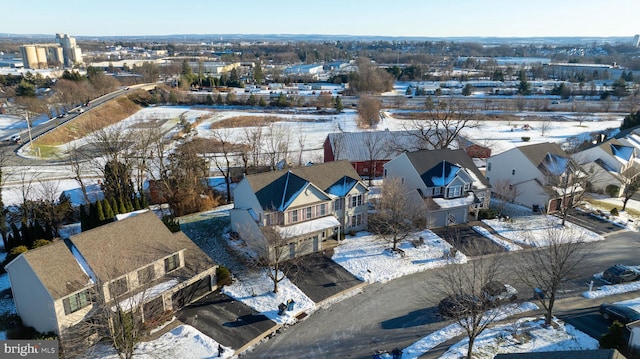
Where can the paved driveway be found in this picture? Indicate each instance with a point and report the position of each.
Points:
(225, 319)
(592, 223)
(466, 240)
(319, 277)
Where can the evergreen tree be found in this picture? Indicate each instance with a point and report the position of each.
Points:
(129, 205)
(17, 237)
(143, 201)
(106, 208)
(208, 100)
(121, 206)
(100, 211)
(115, 207)
(262, 102)
(83, 218)
(339, 106)
(93, 216)
(524, 88)
(219, 100)
(631, 120)
(252, 100)
(614, 338)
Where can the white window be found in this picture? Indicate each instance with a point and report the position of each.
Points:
(437, 191)
(294, 216)
(308, 211)
(321, 209)
(455, 191)
(356, 200)
(171, 263)
(355, 220)
(337, 205)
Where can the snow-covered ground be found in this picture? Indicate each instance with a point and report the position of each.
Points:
(256, 291)
(370, 258)
(532, 336)
(533, 230)
(611, 289)
(183, 341)
(451, 331)
(499, 241)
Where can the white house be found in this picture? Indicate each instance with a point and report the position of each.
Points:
(308, 206)
(611, 164)
(535, 176)
(136, 260)
(447, 181)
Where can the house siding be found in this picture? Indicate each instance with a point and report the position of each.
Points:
(36, 306)
(501, 175)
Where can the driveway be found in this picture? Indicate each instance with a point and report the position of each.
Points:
(225, 319)
(466, 240)
(319, 277)
(593, 223)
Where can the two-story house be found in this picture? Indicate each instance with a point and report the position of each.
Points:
(306, 205)
(447, 181)
(610, 165)
(540, 176)
(135, 264)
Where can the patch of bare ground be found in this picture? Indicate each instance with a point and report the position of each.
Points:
(100, 117)
(245, 121)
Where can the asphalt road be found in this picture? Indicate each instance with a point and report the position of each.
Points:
(397, 313)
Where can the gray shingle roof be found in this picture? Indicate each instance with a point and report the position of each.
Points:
(57, 269)
(536, 153)
(125, 245)
(275, 188)
(427, 160)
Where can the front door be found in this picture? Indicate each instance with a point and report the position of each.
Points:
(316, 244)
(292, 250)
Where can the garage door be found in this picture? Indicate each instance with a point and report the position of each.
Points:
(191, 292)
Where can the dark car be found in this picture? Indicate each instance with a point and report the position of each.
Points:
(621, 313)
(459, 305)
(620, 273)
(495, 293)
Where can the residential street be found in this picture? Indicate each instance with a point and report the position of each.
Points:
(399, 312)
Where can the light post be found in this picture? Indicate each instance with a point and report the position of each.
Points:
(29, 130)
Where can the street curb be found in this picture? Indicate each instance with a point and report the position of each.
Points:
(330, 299)
(257, 339)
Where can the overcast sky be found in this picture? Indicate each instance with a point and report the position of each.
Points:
(432, 18)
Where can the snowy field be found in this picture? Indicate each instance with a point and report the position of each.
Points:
(370, 259)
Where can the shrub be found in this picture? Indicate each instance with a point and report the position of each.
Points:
(614, 211)
(171, 223)
(612, 190)
(525, 138)
(223, 276)
(614, 338)
(487, 213)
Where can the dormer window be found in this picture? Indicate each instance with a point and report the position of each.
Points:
(437, 191)
(455, 191)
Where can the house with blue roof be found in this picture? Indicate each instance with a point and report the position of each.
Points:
(309, 207)
(446, 182)
(612, 164)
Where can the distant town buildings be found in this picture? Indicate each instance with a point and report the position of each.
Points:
(64, 52)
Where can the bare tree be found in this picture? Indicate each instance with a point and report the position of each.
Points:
(571, 187)
(632, 186)
(253, 143)
(368, 111)
(302, 140)
(224, 150)
(375, 147)
(277, 144)
(396, 215)
(443, 124)
(464, 286)
(76, 162)
(547, 269)
(545, 125)
(275, 250)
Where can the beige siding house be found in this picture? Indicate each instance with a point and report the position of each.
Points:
(534, 176)
(307, 206)
(447, 182)
(133, 264)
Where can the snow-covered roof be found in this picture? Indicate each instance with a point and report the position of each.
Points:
(454, 202)
(555, 164)
(306, 227)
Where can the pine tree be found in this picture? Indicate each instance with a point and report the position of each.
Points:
(129, 205)
(106, 208)
(219, 100)
(83, 218)
(93, 216)
(121, 206)
(99, 211)
(143, 201)
(339, 105)
(114, 206)
(136, 203)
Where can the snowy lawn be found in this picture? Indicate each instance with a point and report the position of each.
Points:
(183, 341)
(533, 230)
(370, 259)
(531, 336)
(256, 291)
(451, 331)
(501, 242)
(607, 290)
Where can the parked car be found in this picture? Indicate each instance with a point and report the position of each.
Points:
(15, 138)
(495, 293)
(455, 306)
(621, 313)
(620, 273)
